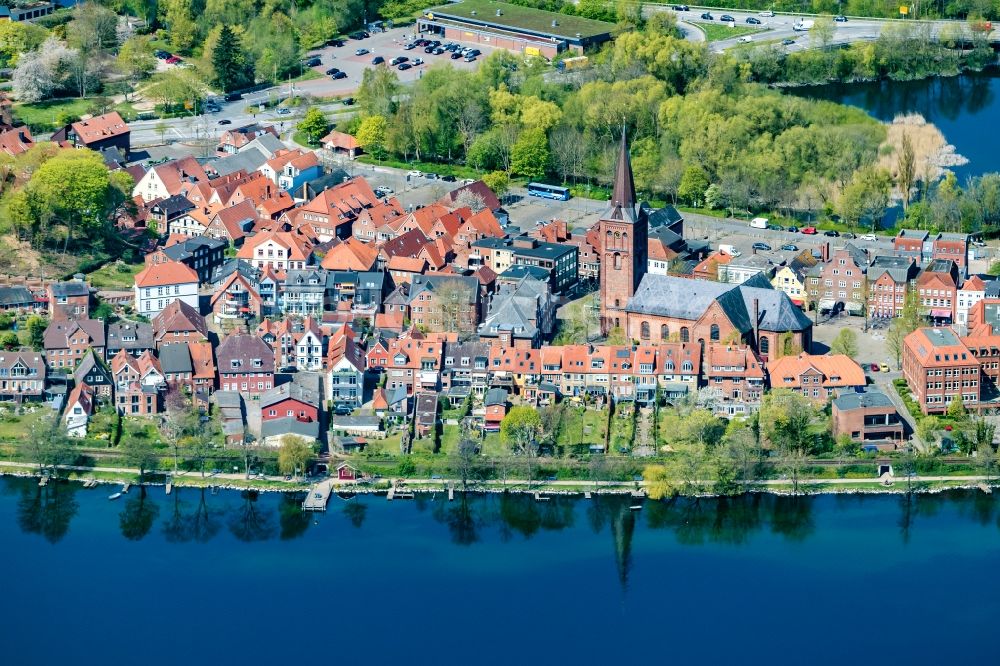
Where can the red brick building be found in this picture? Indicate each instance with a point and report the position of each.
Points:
(66, 342)
(290, 400)
(889, 278)
(869, 418)
(735, 374)
(817, 377)
(245, 363)
(937, 290)
(622, 234)
(69, 300)
(938, 366)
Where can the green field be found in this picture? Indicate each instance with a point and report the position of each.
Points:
(528, 18)
(43, 116)
(115, 275)
(715, 32)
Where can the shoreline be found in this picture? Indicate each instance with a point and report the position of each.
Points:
(807, 487)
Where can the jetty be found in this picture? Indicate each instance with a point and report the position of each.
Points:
(985, 488)
(126, 487)
(451, 492)
(318, 496)
(90, 483)
(169, 487)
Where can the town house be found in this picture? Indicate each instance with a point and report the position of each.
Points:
(246, 364)
(66, 342)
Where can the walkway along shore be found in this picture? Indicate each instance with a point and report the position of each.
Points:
(566, 487)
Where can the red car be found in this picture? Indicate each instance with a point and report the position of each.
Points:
(173, 60)
(874, 367)
(811, 231)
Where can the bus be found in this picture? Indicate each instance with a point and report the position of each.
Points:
(548, 191)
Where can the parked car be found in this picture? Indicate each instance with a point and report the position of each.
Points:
(431, 176)
(232, 97)
(809, 231)
(787, 42)
(761, 246)
(284, 111)
(225, 121)
(417, 62)
(410, 47)
(707, 16)
(340, 75)
(332, 71)
(726, 18)
(680, 8)
(173, 60)
(162, 55)
(383, 190)
(398, 59)
(850, 235)
(793, 229)
(448, 179)
(335, 42)
(456, 55)
(360, 52)
(403, 66)
(832, 233)
(342, 410)
(378, 60)
(775, 227)
(874, 367)
(840, 19)
(753, 21)
(745, 39)
(869, 237)
(884, 367)
(766, 14)
(414, 173)
(312, 62)
(347, 101)
(790, 247)
(211, 107)
(438, 51)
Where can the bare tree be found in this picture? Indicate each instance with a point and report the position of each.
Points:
(470, 123)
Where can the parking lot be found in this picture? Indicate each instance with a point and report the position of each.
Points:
(388, 45)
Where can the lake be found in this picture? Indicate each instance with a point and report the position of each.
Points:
(202, 578)
(964, 108)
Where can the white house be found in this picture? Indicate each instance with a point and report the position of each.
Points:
(346, 369)
(973, 291)
(192, 223)
(79, 407)
(158, 285)
(167, 179)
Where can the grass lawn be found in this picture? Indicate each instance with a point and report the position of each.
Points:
(622, 432)
(517, 16)
(115, 275)
(308, 74)
(41, 116)
(582, 427)
(16, 427)
(717, 31)
(450, 434)
(300, 138)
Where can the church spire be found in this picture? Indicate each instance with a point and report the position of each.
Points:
(624, 189)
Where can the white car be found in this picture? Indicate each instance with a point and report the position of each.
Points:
(869, 237)
(414, 173)
(467, 181)
(766, 14)
(284, 111)
(745, 39)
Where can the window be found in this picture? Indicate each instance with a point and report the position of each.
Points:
(664, 332)
(685, 334)
(644, 330)
(618, 261)
(765, 345)
(713, 334)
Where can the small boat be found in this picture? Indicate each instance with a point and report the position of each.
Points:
(114, 496)
(636, 507)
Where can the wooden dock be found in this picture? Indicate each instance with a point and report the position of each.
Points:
(126, 487)
(391, 494)
(318, 497)
(451, 492)
(985, 488)
(169, 487)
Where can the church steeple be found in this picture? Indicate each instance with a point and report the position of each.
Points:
(623, 193)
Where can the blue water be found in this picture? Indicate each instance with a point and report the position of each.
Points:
(965, 108)
(200, 578)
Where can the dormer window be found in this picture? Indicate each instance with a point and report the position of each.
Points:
(235, 363)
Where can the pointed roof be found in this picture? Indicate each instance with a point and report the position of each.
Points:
(623, 203)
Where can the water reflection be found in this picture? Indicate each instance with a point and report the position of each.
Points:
(191, 521)
(48, 510)
(138, 515)
(251, 520)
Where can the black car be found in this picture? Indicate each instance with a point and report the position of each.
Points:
(313, 62)
(787, 42)
(342, 410)
(680, 8)
(378, 60)
(340, 75)
(398, 59)
(448, 179)
(707, 16)
(162, 55)
(225, 121)
(775, 227)
(232, 97)
(358, 35)
(791, 247)
(438, 51)
(451, 47)
(793, 229)
(332, 71)
(336, 42)
(832, 233)
(840, 19)
(403, 66)
(753, 21)
(456, 55)
(347, 101)
(726, 18)
(429, 49)
(761, 246)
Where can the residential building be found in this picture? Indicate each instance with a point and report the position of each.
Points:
(735, 375)
(69, 300)
(521, 314)
(96, 374)
(134, 337)
(17, 298)
(280, 250)
(232, 223)
(444, 302)
(202, 254)
(465, 367)
(818, 377)
(245, 363)
(139, 384)
(559, 260)
(937, 289)
(972, 291)
(79, 407)
(290, 400)
(166, 212)
(233, 140)
(22, 375)
(841, 279)
(237, 297)
(741, 269)
(341, 143)
(425, 418)
(938, 366)
(158, 285)
(296, 343)
(947, 246)
(97, 133)
(306, 293)
(179, 322)
(66, 342)
(889, 278)
(912, 243)
(169, 178)
(345, 364)
(496, 409)
(869, 418)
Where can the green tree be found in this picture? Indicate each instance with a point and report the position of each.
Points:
(694, 182)
(377, 92)
(371, 135)
(315, 125)
(867, 196)
(138, 452)
(229, 61)
(36, 332)
(135, 58)
(785, 420)
(498, 181)
(845, 343)
(294, 455)
(9, 341)
(956, 408)
(906, 169)
(530, 154)
(521, 430)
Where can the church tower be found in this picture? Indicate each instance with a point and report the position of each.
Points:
(623, 230)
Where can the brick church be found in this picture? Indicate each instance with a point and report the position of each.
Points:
(652, 308)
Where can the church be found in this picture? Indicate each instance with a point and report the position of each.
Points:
(652, 308)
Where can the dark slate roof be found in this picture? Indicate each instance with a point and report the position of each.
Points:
(993, 289)
(543, 250)
(850, 401)
(74, 288)
(174, 205)
(421, 283)
(316, 186)
(244, 348)
(226, 269)
(186, 248)
(520, 271)
(230, 399)
(15, 296)
(289, 425)
(90, 364)
(670, 296)
(496, 396)
(859, 256)
(470, 350)
(175, 358)
(338, 422)
(899, 268)
(667, 216)
(289, 390)
(141, 331)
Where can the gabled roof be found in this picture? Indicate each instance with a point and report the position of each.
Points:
(244, 348)
(101, 127)
(175, 358)
(178, 316)
(289, 391)
(166, 273)
(58, 333)
(350, 255)
(837, 370)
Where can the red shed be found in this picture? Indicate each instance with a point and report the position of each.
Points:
(346, 473)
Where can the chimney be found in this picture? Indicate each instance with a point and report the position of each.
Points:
(825, 250)
(756, 322)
